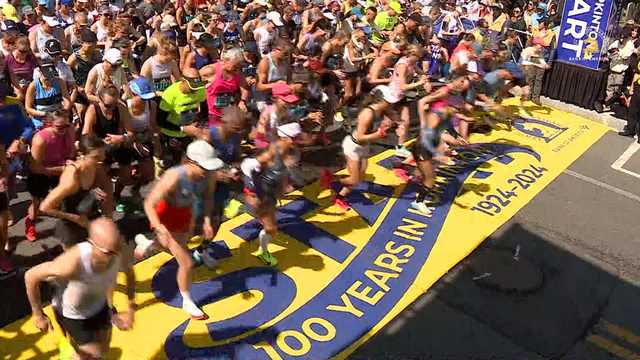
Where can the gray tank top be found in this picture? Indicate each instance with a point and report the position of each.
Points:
(85, 295)
(187, 192)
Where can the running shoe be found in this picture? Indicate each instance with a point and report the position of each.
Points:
(232, 209)
(143, 248)
(421, 207)
(341, 202)
(338, 117)
(121, 207)
(207, 258)
(403, 152)
(196, 256)
(193, 310)
(267, 258)
(402, 174)
(30, 229)
(326, 177)
(6, 267)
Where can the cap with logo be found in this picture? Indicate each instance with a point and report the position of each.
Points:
(27, 10)
(88, 36)
(53, 47)
(140, 86)
(204, 155)
(48, 70)
(9, 12)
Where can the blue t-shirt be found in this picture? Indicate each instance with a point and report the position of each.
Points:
(14, 124)
(227, 151)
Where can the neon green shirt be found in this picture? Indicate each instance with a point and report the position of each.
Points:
(383, 22)
(182, 108)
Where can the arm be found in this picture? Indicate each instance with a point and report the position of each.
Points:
(189, 63)
(62, 267)
(175, 72)
(196, 132)
(245, 94)
(89, 120)
(374, 74)
(68, 185)
(29, 101)
(124, 321)
(66, 99)
(89, 87)
(165, 185)
(34, 44)
(364, 121)
(155, 130)
(262, 84)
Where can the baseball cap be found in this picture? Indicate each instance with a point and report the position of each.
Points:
(42, 2)
(169, 20)
(48, 70)
(88, 36)
(53, 47)
(289, 130)
(9, 25)
(51, 21)
(142, 87)
(387, 94)
(27, 10)
(113, 56)
(275, 18)
(9, 12)
(284, 93)
(204, 155)
(66, 2)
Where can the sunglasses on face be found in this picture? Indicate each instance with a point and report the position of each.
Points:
(104, 250)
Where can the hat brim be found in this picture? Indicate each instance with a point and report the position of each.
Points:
(147, 96)
(291, 98)
(211, 164)
(277, 22)
(52, 23)
(290, 130)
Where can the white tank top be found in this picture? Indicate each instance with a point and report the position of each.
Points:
(140, 123)
(85, 295)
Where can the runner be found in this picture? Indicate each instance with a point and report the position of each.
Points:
(169, 207)
(179, 106)
(85, 277)
(377, 112)
(265, 177)
(83, 193)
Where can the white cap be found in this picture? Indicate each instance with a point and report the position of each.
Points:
(289, 130)
(113, 56)
(387, 94)
(196, 35)
(472, 67)
(203, 154)
(51, 21)
(275, 17)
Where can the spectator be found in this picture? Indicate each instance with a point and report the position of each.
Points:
(534, 65)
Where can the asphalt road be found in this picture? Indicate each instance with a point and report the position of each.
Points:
(576, 281)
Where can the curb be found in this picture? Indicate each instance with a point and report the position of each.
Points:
(603, 118)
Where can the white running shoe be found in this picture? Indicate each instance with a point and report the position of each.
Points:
(403, 152)
(143, 248)
(208, 260)
(422, 208)
(338, 117)
(193, 310)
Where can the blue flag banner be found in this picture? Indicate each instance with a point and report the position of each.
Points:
(582, 37)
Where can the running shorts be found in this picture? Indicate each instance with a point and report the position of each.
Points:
(85, 331)
(176, 219)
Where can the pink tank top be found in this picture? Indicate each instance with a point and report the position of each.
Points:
(59, 148)
(216, 102)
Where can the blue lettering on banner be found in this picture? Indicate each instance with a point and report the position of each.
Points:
(357, 299)
(538, 129)
(583, 30)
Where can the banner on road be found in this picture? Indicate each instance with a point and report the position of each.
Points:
(582, 39)
(341, 275)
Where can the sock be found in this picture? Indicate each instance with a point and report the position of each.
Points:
(264, 240)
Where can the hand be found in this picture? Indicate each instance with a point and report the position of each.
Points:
(114, 139)
(243, 106)
(340, 74)
(296, 87)
(99, 194)
(161, 231)
(462, 141)
(42, 322)
(123, 321)
(83, 221)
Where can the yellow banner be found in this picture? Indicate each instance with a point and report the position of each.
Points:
(341, 275)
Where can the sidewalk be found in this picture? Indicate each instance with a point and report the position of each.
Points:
(604, 118)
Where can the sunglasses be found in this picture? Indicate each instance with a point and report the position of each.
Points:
(194, 83)
(103, 250)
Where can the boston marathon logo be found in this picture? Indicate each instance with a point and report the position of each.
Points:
(356, 300)
(537, 129)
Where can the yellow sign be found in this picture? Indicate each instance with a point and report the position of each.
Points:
(341, 275)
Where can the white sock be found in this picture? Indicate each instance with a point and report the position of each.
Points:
(189, 306)
(264, 240)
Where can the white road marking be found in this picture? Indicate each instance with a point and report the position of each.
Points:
(603, 185)
(618, 164)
